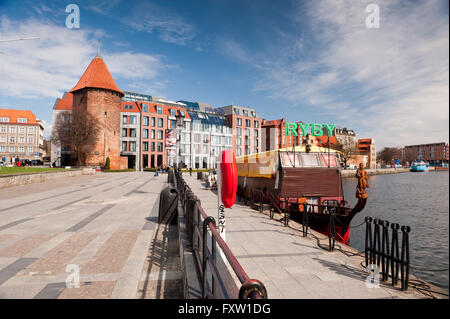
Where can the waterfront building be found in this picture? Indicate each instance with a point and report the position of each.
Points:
(246, 128)
(130, 134)
(436, 154)
(21, 136)
(366, 151)
(274, 135)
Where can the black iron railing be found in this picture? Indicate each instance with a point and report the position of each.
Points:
(206, 241)
(385, 253)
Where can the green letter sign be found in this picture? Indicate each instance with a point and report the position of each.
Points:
(316, 129)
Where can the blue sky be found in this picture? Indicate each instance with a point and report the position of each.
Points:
(310, 61)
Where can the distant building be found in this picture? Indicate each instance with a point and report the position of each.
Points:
(61, 155)
(367, 153)
(436, 154)
(246, 126)
(130, 134)
(21, 136)
(343, 135)
(274, 135)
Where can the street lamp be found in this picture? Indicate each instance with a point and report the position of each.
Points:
(179, 119)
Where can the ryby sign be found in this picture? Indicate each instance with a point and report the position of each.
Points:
(316, 129)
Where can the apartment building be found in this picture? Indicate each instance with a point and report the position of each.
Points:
(130, 134)
(21, 136)
(437, 154)
(366, 148)
(246, 128)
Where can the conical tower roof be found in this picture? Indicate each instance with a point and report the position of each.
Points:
(97, 76)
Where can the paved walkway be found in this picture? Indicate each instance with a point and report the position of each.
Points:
(104, 225)
(289, 265)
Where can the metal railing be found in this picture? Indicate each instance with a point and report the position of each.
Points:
(386, 254)
(201, 230)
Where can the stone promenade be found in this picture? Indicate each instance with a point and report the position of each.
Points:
(102, 229)
(289, 265)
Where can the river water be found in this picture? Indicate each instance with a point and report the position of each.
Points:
(419, 200)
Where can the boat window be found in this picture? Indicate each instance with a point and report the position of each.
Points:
(324, 160)
(287, 160)
(310, 160)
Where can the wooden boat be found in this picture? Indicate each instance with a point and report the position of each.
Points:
(294, 181)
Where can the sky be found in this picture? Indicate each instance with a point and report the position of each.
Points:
(312, 61)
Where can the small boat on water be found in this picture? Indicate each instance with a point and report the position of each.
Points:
(420, 166)
(292, 180)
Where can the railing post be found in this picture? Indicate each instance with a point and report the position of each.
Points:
(206, 221)
(305, 220)
(385, 250)
(250, 286)
(331, 231)
(377, 242)
(405, 257)
(261, 202)
(286, 212)
(394, 253)
(368, 241)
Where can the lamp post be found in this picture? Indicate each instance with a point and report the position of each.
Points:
(179, 119)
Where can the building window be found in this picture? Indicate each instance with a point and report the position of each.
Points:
(31, 130)
(160, 134)
(197, 138)
(160, 147)
(11, 149)
(12, 139)
(124, 147)
(132, 119)
(125, 119)
(124, 132)
(30, 150)
(247, 132)
(4, 119)
(173, 112)
(236, 111)
(160, 122)
(238, 131)
(21, 139)
(12, 129)
(22, 130)
(2, 148)
(247, 123)
(238, 142)
(159, 109)
(145, 134)
(205, 138)
(3, 139)
(30, 139)
(153, 134)
(132, 132)
(253, 113)
(21, 149)
(204, 149)
(256, 124)
(132, 146)
(238, 122)
(145, 146)
(3, 129)
(145, 121)
(152, 146)
(256, 133)
(145, 109)
(238, 152)
(153, 121)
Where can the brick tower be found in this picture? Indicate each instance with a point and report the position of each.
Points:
(96, 93)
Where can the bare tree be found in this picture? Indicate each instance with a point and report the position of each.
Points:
(78, 130)
(388, 154)
(347, 146)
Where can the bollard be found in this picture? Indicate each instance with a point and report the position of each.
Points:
(206, 221)
(168, 200)
(305, 220)
(331, 230)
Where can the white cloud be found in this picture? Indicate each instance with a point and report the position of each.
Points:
(169, 26)
(53, 64)
(390, 83)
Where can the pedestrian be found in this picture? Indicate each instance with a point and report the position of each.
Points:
(190, 171)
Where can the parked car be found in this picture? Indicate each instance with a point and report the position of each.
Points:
(351, 166)
(37, 162)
